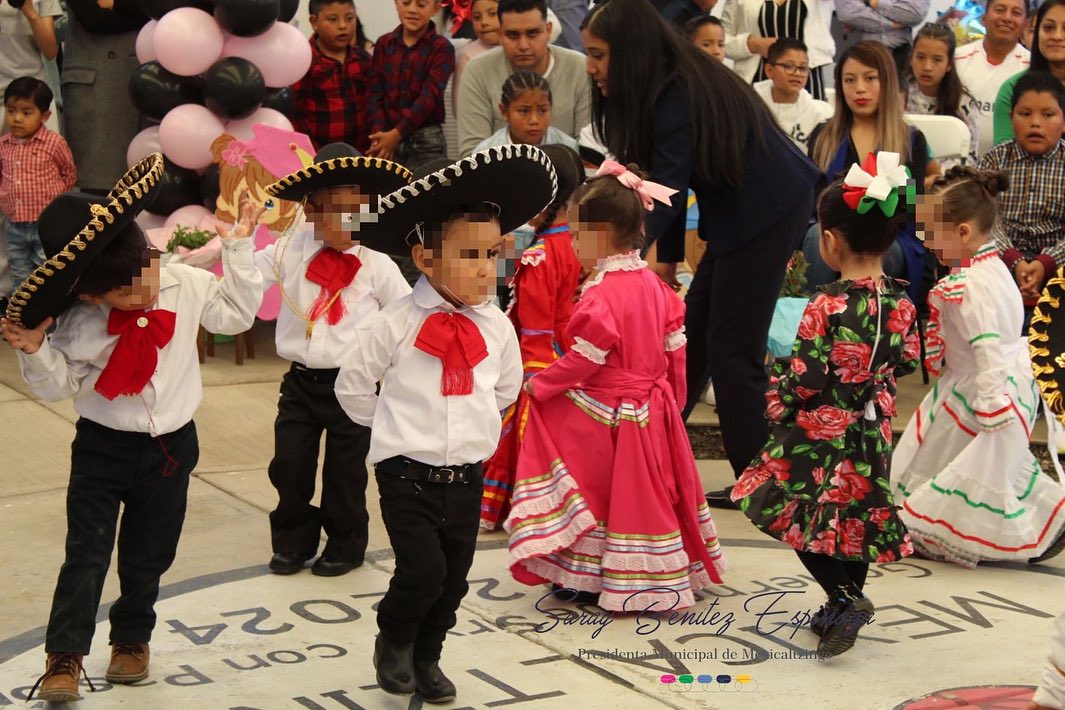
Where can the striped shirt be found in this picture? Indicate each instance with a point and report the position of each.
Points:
(33, 172)
(1032, 210)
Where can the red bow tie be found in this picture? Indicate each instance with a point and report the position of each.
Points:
(132, 363)
(331, 270)
(457, 341)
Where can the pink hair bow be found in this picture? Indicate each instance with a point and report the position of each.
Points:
(647, 190)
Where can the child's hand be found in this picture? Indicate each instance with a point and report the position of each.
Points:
(384, 144)
(667, 272)
(528, 387)
(28, 341)
(249, 212)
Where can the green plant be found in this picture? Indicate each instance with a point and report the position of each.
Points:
(795, 277)
(188, 238)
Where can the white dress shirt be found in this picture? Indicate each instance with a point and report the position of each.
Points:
(378, 283)
(70, 360)
(410, 417)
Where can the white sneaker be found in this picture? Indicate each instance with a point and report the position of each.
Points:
(708, 395)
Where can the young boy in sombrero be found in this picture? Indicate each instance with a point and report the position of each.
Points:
(124, 348)
(329, 283)
(447, 361)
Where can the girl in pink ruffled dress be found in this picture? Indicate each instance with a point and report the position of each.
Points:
(607, 498)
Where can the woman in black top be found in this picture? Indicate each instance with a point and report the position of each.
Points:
(692, 124)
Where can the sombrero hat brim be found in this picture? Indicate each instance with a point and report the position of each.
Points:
(374, 174)
(74, 229)
(518, 179)
(1046, 344)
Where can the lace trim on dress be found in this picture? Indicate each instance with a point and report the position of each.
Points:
(630, 261)
(676, 340)
(589, 351)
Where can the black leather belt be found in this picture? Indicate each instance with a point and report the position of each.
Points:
(418, 471)
(321, 377)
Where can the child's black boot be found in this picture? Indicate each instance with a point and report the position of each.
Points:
(844, 617)
(432, 684)
(395, 666)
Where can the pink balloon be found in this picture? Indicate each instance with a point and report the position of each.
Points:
(146, 43)
(282, 53)
(241, 128)
(187, 41)
(143, 144)
(186, 134)
(188, 217)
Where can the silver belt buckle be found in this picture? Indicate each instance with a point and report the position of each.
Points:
(450, 474)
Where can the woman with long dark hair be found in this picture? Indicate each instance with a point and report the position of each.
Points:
(660, 102)
(1048, 55)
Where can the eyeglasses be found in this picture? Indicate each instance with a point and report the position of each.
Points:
(792, 69)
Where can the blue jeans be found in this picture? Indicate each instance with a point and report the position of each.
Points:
(24, 250)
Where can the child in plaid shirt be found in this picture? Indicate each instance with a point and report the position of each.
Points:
(35, 167)
(412, 65)
(330, 101)
(1031, 232)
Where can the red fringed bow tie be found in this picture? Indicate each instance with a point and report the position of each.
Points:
(141, 334)
(457, 341)
(333, 271)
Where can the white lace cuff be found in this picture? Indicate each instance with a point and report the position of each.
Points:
(676, 340)
(589, 351)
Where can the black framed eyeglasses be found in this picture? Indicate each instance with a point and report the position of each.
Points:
(791, 69)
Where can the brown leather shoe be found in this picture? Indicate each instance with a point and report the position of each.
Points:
(59, 683)
(129, 663)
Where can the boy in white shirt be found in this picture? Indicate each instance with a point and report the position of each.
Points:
(125, 350)
(448, 362)
(798, 113)
(329, 283)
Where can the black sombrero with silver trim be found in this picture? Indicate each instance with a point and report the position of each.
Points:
(517, 181)
(74, 228)
(337, 165)
(1046, 344)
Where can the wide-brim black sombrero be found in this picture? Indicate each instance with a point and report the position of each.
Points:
(74, 228)
(339, 165)
(1046, 344)
(517, 181)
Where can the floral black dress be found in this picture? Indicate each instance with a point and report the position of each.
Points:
(821, 482)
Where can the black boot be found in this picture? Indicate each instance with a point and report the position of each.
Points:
(566, 594)
(1055, 549)
(843, 619)
(432, 684)
(722, 499)
(395, 666)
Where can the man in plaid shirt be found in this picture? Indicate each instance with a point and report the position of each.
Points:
(35, 166)
(412, 65)
(329, 102)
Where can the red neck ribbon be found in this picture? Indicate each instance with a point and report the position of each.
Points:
(332, 270)
(141, 334)
(457, 341)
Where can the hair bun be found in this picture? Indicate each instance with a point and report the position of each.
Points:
(994, 181)
(635, 170)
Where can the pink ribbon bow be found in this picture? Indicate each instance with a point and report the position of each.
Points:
(647, 190)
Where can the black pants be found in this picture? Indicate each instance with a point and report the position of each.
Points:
(433, 531)
(730, 306)
(307, 407)
(835, 574)
(109, 469)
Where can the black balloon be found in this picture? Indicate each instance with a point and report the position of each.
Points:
(177, 188)
(289, 8)
(279, 100)
(246, 18)
(233, 88)
(154, 90)
(155, 9)
(209, 187)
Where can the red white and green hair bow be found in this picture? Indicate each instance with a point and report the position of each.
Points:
(880, 180)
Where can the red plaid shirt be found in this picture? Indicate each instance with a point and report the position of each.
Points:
(33, 173)
(408, 88)
(329, 102)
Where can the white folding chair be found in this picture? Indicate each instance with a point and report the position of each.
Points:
(947, 136)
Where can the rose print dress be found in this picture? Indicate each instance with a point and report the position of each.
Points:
(821, 482)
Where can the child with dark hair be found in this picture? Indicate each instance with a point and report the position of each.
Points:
(932, 84)
(1031, 233)
(971, 490)
(607, 504)
(484, 17)
(544, 288)
(411, 67)
(820, 484)
(35, 166)
(447, 361)
(526, 109)
(125, 350)
(330, 101)
(708, 34)
(787, 65)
